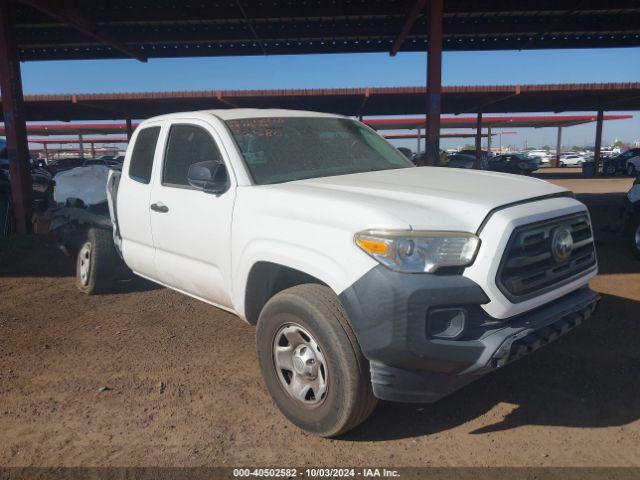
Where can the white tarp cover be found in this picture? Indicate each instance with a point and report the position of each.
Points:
(89, 184)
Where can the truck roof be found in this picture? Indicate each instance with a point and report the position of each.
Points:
(239, 113)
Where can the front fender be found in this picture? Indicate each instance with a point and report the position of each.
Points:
(338, 271)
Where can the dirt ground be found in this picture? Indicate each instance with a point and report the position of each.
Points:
(184, 389)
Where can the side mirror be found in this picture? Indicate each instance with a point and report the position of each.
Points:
(209, 176)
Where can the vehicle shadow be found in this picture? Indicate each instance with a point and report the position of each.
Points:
(587, 379)
(133, 284)
(33, 256)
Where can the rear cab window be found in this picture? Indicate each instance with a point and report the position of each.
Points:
(144, 150)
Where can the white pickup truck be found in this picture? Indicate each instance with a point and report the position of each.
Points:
(367, 277)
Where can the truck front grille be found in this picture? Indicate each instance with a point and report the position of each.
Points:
(530, 267)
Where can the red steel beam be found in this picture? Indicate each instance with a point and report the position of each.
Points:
(129, 127)
(434, 83)
(14, 122)
(62, 141)
(414, 13)
(477, 162)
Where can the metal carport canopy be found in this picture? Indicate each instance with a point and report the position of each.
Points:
(58, 29)
(347, 101)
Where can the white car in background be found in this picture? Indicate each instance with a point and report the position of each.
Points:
(572, 160)
(544, 156)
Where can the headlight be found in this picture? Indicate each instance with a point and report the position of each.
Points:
(418, 251)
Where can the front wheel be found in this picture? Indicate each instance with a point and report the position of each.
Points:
(610, 170)
(631, 170)
(96, 262)
(311, 361)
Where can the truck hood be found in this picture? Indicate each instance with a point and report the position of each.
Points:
(426, 197)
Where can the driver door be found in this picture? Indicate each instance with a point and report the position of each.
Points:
(192, 228)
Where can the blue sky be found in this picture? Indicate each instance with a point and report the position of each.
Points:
(353, 70)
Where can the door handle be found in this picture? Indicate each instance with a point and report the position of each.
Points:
(159, 207)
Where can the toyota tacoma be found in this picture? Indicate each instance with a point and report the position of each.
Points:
(366, 277)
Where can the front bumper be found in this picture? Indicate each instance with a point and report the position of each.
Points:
(388, 311)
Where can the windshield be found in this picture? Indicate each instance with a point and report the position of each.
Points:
(283, 149)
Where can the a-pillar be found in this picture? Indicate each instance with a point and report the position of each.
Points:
(477, 164)
(434, 83)
(14, 121)
(596, 154)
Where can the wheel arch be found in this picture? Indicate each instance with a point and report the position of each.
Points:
(267, 279)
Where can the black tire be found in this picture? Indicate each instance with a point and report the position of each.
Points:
(632, 232)
(631, 170)
(610, 170)
(348, 400)
(96, 262)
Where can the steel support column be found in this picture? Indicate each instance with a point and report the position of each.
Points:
(596, 154)
(434, 83)
(418, 147)
(93, 150)
(556, 162)
(14, 121)
(81, 145)
(477, 164)
(489, 140)
(129, 129)
(46, 152)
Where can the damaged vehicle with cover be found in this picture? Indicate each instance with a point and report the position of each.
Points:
(366, 277)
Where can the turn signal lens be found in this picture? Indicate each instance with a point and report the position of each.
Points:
(370, 246)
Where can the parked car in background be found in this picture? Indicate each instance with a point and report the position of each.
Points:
(544, 156)
(514, 163)
(62, 164)
(571, 160)
(460, 160)
(366, 277)
(41, 181)
(407, 152)
(484, 157)
(627, 162)
(113, 164)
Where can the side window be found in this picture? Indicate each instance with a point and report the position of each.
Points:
(188, 144)
(142, 155)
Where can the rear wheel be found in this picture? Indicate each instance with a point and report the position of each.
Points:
(311, 361)
(96, 262)
(631, 170)
(610, 170)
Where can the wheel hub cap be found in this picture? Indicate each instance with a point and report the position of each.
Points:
(85, 263)
(300, 365)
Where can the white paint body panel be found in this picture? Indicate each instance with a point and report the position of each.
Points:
(494, 238)
(206, 245)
